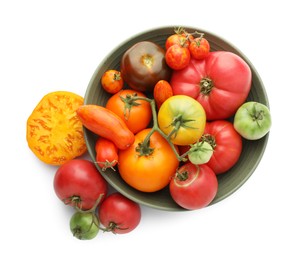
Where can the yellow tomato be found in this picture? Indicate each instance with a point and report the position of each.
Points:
(183, 119)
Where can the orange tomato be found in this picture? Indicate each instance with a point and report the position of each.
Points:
(136, 114)
(162, 91)
(112, 81)
(54, 132)
(148, 172)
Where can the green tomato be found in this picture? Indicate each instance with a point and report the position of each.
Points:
(200, 153)
(252, 120)
(84, 225)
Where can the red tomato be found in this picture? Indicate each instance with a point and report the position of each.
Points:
(119, 214)
(193, 186)
(135, 114)
(112, 81)
(106, 153)
(199, 48)
(226, 143)
(221, 83)
(177, 57)
(177, 39)
(78, 183)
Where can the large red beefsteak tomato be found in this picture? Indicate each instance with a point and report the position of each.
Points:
(221, 83)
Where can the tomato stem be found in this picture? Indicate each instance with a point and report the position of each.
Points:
(144, 146)
(94, 206)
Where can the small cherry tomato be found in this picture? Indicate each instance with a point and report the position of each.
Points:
(119, 214)
(162, 91)
(112, 81)
(176, 39)
(177, 57)
(199, 48)
(106, 153)
(193, 186)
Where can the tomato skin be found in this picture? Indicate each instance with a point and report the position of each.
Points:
(252, 120)
(84, 225)
(221, 83)
(143, 65)
(177, 57)
(148, 173)
(188, 113)
(198, 190)
(80, 179)
(227, 145)
(136, 117)
(199, 48)
(119, 214)
(106, 153)
(111, 81)
(162, 91)
(176, 39)
(107, 124)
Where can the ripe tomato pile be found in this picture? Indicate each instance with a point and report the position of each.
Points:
(176, 118)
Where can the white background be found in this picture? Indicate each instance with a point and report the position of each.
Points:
(57, 45)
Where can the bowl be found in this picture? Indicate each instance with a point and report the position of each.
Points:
(228, 182)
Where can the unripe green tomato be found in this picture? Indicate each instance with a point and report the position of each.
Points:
(200, 153)
(252, 120)
(84, 225)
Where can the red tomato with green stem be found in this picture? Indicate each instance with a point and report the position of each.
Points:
(106, 153)
(79, 184)
(199, 48)
(177, 57)
(119, 214)
(193, 186)
(226, 144)
(221, 83)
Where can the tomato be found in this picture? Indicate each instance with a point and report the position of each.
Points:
(200, 152)
(183, 119)
(112, 81)
(226, 144)
(199, 48)
(176, 39)
(162, 91)
(52, 138)
(136, 114)
(148, 165)
(253, 120)
(84, 225)
(119, 214)
(106, 153)
(193, 186)
(177, 57)
(143, 65)
(106, 123)
(79, 184)
(221, 83)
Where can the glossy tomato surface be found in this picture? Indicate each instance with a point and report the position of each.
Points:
(119, 214)
(143, 65)
(226, 144)
(221, 83)
(152, 170)
(183, 118)
(193, 186)
(78, 183)
(136, 114)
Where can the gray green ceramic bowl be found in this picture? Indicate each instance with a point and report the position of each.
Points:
(230, 181)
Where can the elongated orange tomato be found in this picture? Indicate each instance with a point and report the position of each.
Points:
(107, 124)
